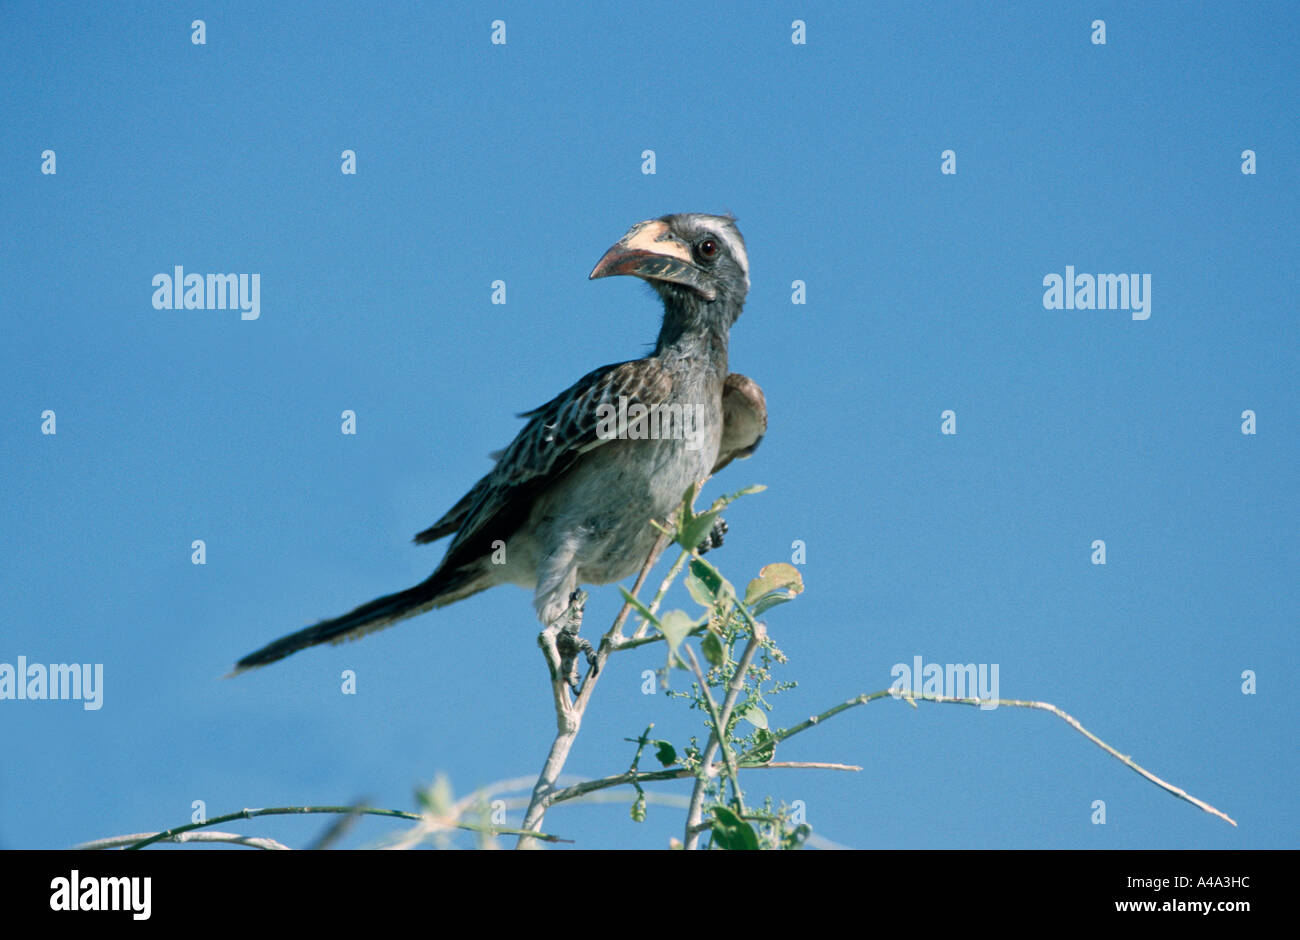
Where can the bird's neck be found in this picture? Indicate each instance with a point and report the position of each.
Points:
(694, 335)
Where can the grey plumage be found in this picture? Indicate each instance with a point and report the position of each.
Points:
(571, 501)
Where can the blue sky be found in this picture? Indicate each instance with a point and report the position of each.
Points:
(523, 163)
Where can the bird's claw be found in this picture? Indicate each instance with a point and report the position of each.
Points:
(562, 643)
(570, 645)
(714, 538)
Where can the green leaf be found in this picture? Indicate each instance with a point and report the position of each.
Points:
(712, 647)
(686, 511)
(691, 528)
(772, 578)
(640, 608)
(719, 588)
(724, 501)
(665, 753)
(690, 535)
(767, 603)
(676, 625)
(638, 807)
(698, 591)
(731, 832)
(764, 753)
(756, 717)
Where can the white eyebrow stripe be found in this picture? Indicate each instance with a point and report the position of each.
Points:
(734, 244)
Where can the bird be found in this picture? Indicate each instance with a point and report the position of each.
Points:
(570, 500)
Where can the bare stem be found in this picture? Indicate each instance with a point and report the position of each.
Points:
(718, 737)
(671, 576)
(681, 773)
(177, 834)
(568, 713)
(1073, 722)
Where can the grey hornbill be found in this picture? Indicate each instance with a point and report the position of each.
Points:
(572, 505)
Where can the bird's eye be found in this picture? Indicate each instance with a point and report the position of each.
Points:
(708, 249)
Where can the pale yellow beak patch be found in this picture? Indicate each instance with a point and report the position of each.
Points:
(653, 236)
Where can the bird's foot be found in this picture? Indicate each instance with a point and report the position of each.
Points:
(570, 646)
(562, 644)
(714, 538)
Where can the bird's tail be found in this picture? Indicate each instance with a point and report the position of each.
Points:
(440, 588)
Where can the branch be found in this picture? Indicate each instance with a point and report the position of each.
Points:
(253, 842)
(142, 840)
(1001, 702)
(671, 576)
(718, 737)
(587, 787)
(568, 712)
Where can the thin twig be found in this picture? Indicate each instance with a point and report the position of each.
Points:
(912, 699)
(336, 830)
(252, 842)
(167, 835)
(737, 683)
(717, 739)
(587, 787)
(669, 578)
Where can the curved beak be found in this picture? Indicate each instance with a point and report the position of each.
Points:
(651, 252)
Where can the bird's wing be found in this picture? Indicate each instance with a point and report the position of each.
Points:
(744, 419)
(454, 517)
(556, 435)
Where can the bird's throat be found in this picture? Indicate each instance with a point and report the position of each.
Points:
(695, 331)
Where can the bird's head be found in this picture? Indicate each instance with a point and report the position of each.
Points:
(692, 260)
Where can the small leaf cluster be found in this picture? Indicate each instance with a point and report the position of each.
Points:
(726, 626)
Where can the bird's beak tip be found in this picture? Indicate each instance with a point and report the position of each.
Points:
(607, 264)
